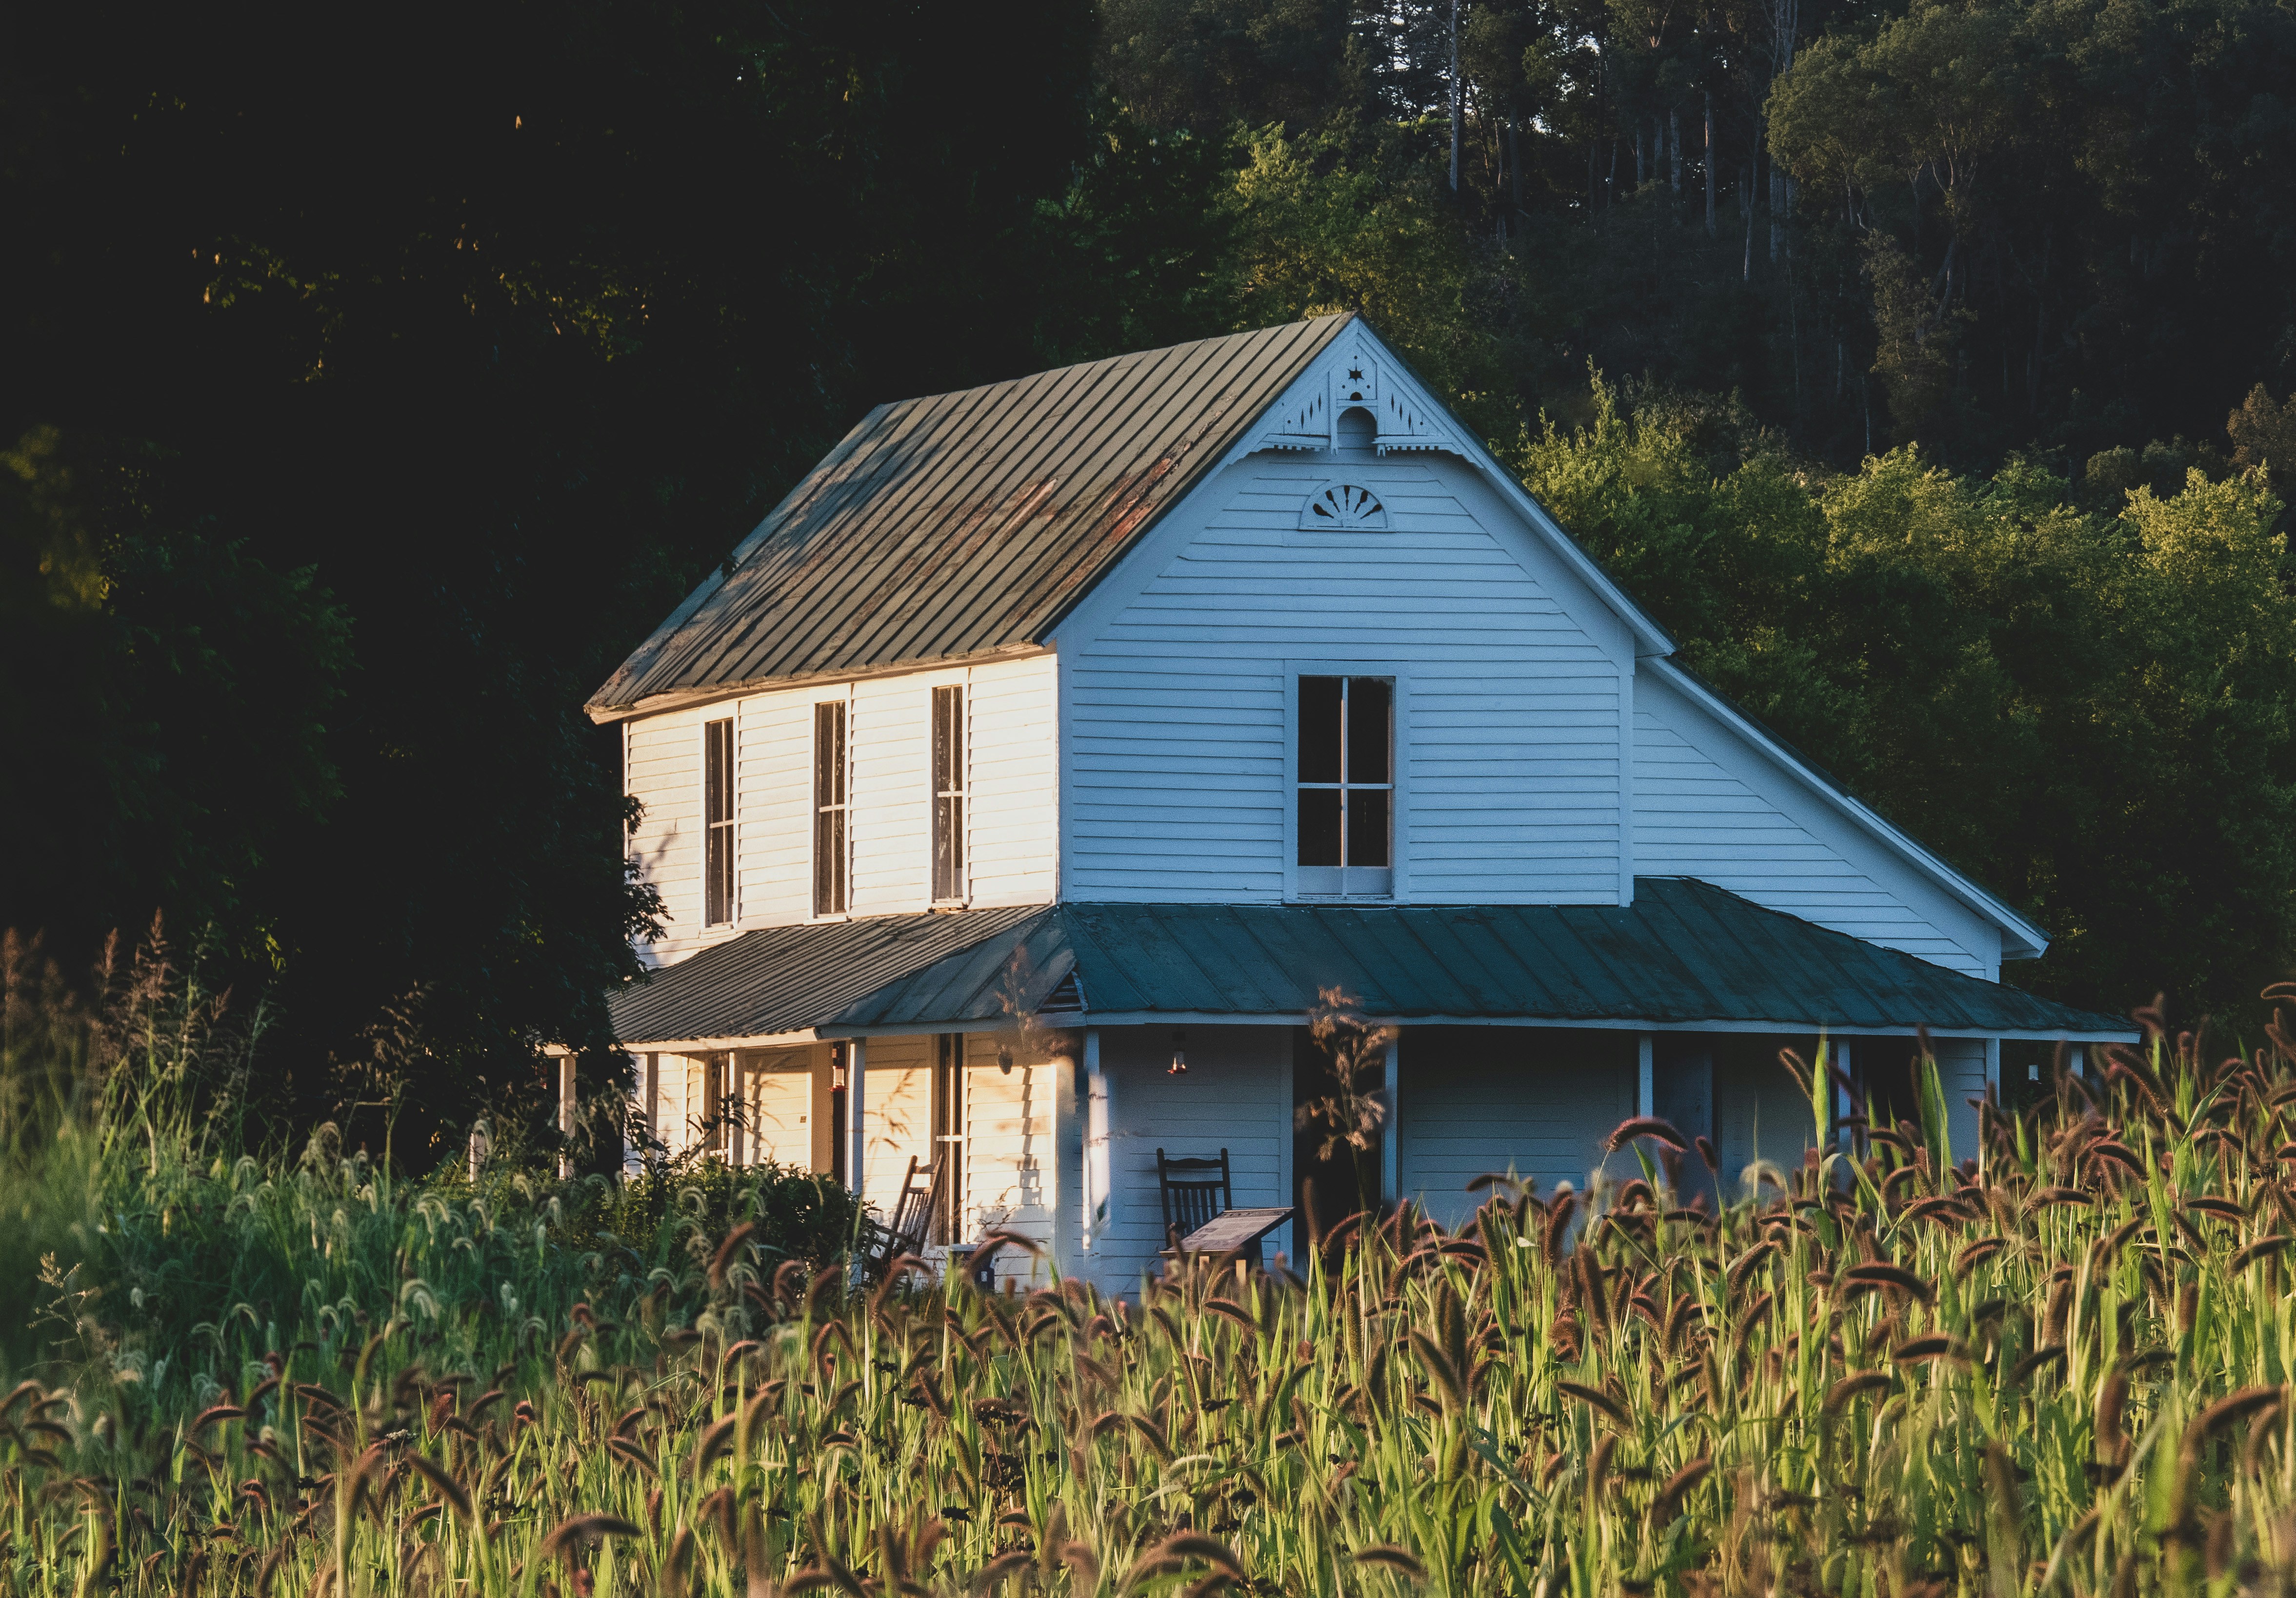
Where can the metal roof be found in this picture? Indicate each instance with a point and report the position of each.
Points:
(961, 524)
(784, 979)
(1684, 953)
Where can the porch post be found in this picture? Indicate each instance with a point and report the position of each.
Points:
(641, 1102)
(1099, 1114)
(1992, 1092)
(2076, 1059)
(566, 1116)
(856, 1062)
(652, 1090)
(1645, 1074)
(736, 1114)
(1390, 1187)
(1842, 1104)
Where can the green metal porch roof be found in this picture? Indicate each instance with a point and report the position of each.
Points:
(1684, 953)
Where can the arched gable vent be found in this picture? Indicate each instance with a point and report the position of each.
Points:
(1343, 508)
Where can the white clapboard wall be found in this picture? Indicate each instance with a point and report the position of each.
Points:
(1509, 733)
(777, 1088)
(1501, 1101)
(1708, 805)
(1236, 1094)
(1011, 819)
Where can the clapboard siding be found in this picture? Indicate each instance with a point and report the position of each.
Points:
(1236, 1094)
(890, 731)
(897, 1117)
(662, 771)
(777, 1091)
(773, 826)
(1490, 1100)
(1707, 806)
(1508, 722)
(1011, 822)
(1010, 1121)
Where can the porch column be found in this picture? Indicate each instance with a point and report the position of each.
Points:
(566, 1116)
(1842, 1104)
(2076, 1059)
(1645, 1074)
(1992, 1093)
(1100, 1115)
(856, 1140)
(642, 1103)
(1389, 1185)
(735, 1111)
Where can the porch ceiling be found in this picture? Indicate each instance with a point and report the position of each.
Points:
(1685, 952)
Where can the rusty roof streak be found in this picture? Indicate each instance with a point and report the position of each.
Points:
(958, 525)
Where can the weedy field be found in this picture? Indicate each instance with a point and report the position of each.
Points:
(2059, 1364)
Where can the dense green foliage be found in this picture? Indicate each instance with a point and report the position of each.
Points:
(2058, 1364)
(359, 417)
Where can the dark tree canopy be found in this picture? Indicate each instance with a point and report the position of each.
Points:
(368, 386)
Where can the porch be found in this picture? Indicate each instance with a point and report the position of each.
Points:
(1034, 1051)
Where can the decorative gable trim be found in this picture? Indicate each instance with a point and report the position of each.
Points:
(1357, 372)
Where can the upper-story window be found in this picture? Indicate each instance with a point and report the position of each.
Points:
(1347, 785)
(829, 809)
(949, 885)
(718, 823)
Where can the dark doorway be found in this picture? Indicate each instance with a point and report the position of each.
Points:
(1334, 1186)
(1682, 1083)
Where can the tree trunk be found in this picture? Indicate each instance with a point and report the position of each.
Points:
(1709, 163)
(1514, 158)
(1777, 208)
(1638, 153)
(1674, 141)
(1454, 96)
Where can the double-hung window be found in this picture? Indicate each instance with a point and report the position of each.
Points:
(949, 885)
(829, 809)
(1346, 799)
(717, 821)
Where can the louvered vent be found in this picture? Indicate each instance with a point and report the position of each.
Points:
(1067, 997)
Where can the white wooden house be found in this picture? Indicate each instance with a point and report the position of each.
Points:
(1053, 731)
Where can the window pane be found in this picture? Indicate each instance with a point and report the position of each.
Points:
(1367, 826)
(718, 762)
(1319, 729)
(948, 847)
(829, 862)
(1320, 826)
(948, 742)
(717, 870)
(1371, 703)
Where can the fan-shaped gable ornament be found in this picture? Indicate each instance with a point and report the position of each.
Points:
(1343, 508)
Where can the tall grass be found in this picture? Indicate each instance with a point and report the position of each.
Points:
(2057, 1365)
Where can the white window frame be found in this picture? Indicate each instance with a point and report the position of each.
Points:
(1398, 806)
(963, 791)
(733, 824)
(813, 804)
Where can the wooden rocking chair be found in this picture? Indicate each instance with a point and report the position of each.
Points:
(1195, 1191)
(911, 1227)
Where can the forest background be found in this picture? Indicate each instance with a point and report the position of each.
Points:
(368, 388)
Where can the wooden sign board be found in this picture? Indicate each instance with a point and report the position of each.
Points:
(1234, 1229)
